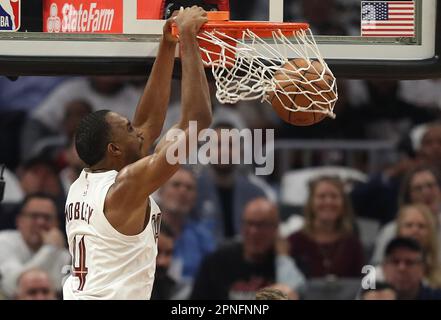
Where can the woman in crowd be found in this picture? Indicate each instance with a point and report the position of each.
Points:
(327, 244)
(421, 185)
(417, 222)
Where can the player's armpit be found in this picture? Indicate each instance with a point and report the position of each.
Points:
(150, 113)
(126, 201)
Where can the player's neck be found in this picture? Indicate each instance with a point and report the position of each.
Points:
(97, 170)
(104, 166)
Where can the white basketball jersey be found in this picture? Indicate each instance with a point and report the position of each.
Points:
(105, 263)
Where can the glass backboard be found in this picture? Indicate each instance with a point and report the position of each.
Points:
(50, 37)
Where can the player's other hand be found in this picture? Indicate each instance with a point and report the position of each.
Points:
(190, 20)
(167, 30)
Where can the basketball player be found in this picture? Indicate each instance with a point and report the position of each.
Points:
(6, 5)
(112, 222)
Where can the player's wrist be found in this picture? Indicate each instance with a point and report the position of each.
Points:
(187, 30)
(168, 42)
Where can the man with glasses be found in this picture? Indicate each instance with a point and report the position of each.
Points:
(403, 268)
(238, 270)
(37, 243)
(177, 198)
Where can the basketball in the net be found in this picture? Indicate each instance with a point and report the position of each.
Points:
(302, 84)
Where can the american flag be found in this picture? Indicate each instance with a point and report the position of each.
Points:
(388, 18)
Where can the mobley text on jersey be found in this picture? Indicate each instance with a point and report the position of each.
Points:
(78, 211)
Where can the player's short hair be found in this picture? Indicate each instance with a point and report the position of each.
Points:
(92, 137)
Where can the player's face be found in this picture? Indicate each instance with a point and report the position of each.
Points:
(37, 216)
(414, 225)
(327, 202)
(126, 137)
(424, 189)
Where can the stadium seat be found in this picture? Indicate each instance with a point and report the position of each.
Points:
(294, 186)
(367, 231)
(331, 289)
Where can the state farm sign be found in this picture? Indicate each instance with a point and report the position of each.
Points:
(85, 16)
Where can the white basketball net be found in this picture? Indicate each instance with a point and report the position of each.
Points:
(244, 69)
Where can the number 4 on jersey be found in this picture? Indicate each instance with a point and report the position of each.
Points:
(79, 271)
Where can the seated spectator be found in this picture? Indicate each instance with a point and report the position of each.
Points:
(38, 243)
(327, 239)
(385, 104)
(61, 147)
(26, 92)
(429, 151)
(422, 93)
(382, 291)
(73, 168)
(239, 269)
(224, 190)
(47, 119)
(177, 198)
(379, 197)
(74, 111)
(34, 284)
(17, 99)
(421, 226)
(167, 285)
(404, 270)
(39, 174)
(12, 196)
(420, 185)
(416, 221)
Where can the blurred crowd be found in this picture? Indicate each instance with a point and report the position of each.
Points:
(226, 233)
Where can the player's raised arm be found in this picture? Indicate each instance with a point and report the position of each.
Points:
(152, 108)
(196, 104)
(137, 181)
